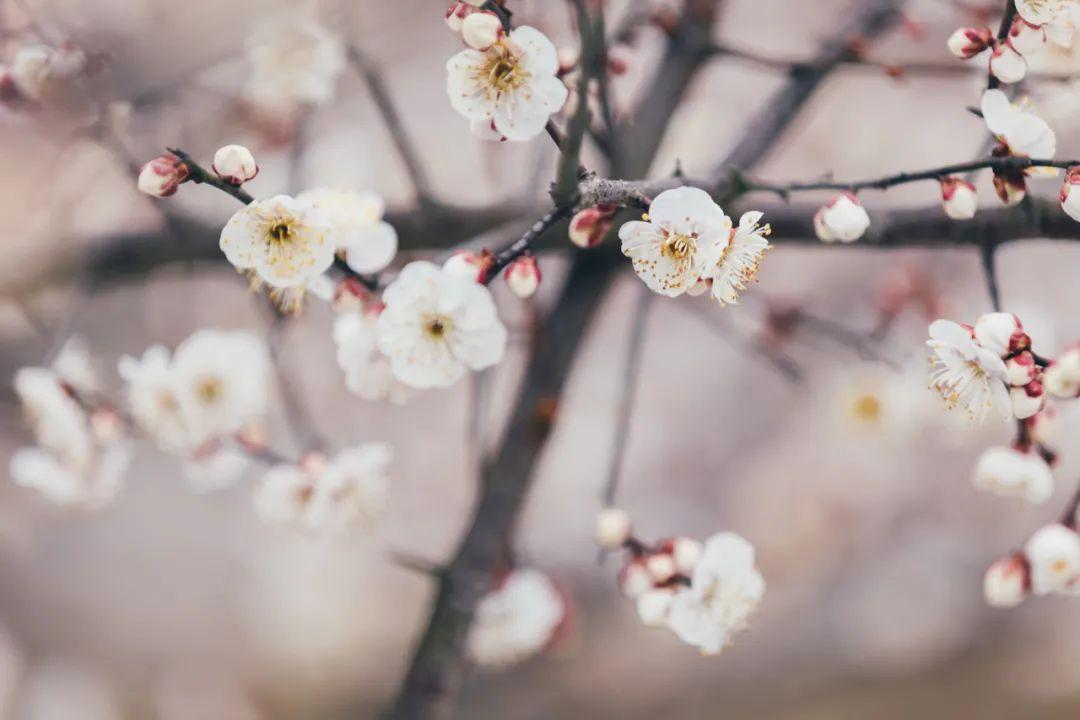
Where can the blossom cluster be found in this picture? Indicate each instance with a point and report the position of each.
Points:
(705, 593)
(1037, 25)
(686, 244)
(1049, 563)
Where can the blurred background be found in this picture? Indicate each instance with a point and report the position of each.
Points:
(173, 604)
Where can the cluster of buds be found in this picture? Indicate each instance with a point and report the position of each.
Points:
(590, 226)
(842, 219)
(1049, 563)
(652, 573)
(1008, 58)
(480, 29)
(1003, 334)
(958, 198)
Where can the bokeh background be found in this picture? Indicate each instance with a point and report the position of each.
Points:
(171, 604)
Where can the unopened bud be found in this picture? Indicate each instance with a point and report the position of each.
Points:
(1021, 369)
(481, 30)
(1027, 400)
(1070, 195)
(1062, 375)
(1010, 188)
(618, 59)
(969, 42)
(958, 198)
(1006, 64)
(661, 566)
(653, 606)
(842, 219)
(162, 176)
(635, 579)
(590, 226)
(687, 552)
(613, 528)
(235, 164)
(349, 296)
(523, 276)
(1006, 582)
(468, 264)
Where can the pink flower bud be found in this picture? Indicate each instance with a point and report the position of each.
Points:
(523, 276)
(969, 42)
(1069, 198)
(468, 264)
(162, 176)
(613, 527)
(481, 30)
(958, 198)
(1006, 582)
(661, 567)
(1006, 64)
(235, 164)
(590, 226)
(1021, 369)
(843, 218)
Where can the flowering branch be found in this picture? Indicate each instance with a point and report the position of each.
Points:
(199, 175)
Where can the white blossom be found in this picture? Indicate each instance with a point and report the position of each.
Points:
(1062, 375)
(513, 83)
(1026, 38)
(327, 495)
(1006, 64)
(686, 552)
(842, 219)
(1041, 12)
(1023, 132)
(966, 374)
(293, 60)
(740, 259)
(283, 240)
(369, 243)
(161, 177)
(436, 324)
(653, 606)
(613, 528)
(1009, 472)
(1053, 554)
(682, 240)
(1005, 582)
(367, 370)
(1001, 333)
(725, 590)
(59, 423)
(92, 484)
(216, 466)
(515, 620)
(958, 198)
(235, 163)
(481, 30)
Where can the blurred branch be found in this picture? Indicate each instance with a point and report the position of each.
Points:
(753, 347)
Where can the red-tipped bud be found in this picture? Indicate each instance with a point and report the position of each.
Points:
(161, 177)
(523, 276)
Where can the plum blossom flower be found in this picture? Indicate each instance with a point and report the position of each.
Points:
(1005, 583)
(367, 371)
(327, 495)
(515, 620)
(1006, 64)
(1022, 133)
(1001, 333)
(1053, 554)
(436, 324)
(213, 386)
(740, 259)
(958, 198)
(235, 164)
(1041, 12)
(284, 241)
(843, 218)
(967, 42)
(725, 591)
(161, 177)
(682, 240)
(1009, 472)
(966, 374)
(293, 60)
(512, 83)
(369, 242)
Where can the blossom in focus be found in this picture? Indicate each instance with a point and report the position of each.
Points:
(966, 374)
(481, 30)
(515, 620)
(1053, 554)
(436, 325)
(293, 60)
(958, 198)
(513, 83)
(356, 218)
(367, 370)
(967, 42)
(327, 495)
(1001, 333)
(235, 164)
(591, 225)
(842, 219)
(739, 260)
(1009, 472)
(725, 591)
(1021, 132)
(283, 240)
(682, 240)
(1006, 64)
(161, 177)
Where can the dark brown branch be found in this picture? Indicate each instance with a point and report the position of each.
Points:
(202, 176)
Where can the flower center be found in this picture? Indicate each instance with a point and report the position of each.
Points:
(1059, 566)
(208, 390)
(280, 233)
(436, 327)
(679, 247)
(502, 70)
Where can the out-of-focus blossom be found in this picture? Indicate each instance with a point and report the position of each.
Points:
(523, 276)
(682, 240)
(235, 164)
(367, 370)
(1053, 554)
(1022, 132)
(1062, 375)
(958, 198)
(1009, 472)
(284, 241)
(1005, 583)
(967, 42)
(966, 374)
(356, 218)
(294, 60)
(161, 177)
(613, 528)
(331, 495)
(653, 606)
(842, 219)
(513, 83)
(515, 620)
(724, 592)
(436, 325)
